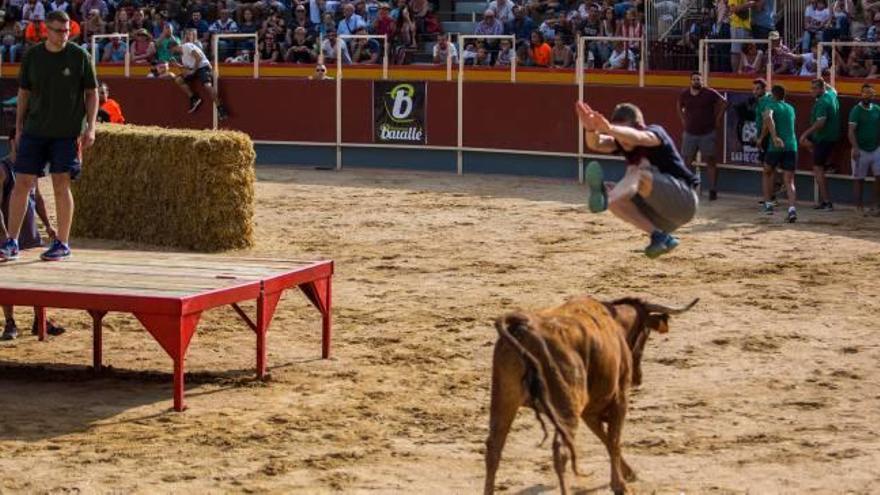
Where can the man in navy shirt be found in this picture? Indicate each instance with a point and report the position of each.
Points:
(658, 193)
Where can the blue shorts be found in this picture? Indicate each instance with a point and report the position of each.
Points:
(61, 154)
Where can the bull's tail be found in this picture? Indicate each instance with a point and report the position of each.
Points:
(512, 328)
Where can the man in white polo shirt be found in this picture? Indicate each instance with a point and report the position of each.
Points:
(196, 66)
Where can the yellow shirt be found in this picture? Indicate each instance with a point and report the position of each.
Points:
(735, 20)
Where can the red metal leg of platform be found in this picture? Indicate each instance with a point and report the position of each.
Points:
(97, 338)
(174, 334)
(320, 293)
(266, 305)
(40, 315)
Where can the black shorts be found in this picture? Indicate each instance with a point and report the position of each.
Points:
(62, 155)
(822, 153)
(786, 160)
(203, 74)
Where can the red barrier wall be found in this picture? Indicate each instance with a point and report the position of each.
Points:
(537, 117)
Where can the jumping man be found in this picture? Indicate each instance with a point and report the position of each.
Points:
(658, 193)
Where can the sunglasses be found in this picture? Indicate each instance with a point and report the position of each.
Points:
(321, 70)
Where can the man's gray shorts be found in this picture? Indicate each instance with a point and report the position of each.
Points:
(705, 143)
(739, 33)
(868, 160)
(672, 202)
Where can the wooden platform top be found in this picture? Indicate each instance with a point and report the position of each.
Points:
(142, 274)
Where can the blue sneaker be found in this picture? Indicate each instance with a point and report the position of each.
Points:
(57, 251)
(661, 243)
(9, 250)
(595, 179)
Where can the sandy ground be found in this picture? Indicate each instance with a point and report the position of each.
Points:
(769, 385)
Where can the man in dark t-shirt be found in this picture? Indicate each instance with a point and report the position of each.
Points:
(57, 110)
(658, 193)
(700, 109)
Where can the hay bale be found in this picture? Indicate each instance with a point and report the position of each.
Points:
(169, 187)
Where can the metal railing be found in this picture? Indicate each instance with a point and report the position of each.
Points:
(834, 44)
(94, 48)
(703, 53)
(215, 43)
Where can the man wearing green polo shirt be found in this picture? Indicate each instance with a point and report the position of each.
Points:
(763, 99)
(823, 133)
(779, 121)
(864, 137)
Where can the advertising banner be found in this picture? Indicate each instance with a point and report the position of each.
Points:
(399, 112)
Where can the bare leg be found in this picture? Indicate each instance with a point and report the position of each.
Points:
(18, 203)
(858, 188)
(627, 211)
(819, 172)
(63, 205)
(184, 86)
(215, 96)
(788, 177)
(767, 182)
(712, 165)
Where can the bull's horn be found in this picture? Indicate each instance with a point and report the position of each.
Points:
(659, 308)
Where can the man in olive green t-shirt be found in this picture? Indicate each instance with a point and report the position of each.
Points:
(823, 133)
(864, 137)
(779, 119)
(57, 109)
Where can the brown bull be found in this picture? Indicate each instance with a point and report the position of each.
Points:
(572, 361)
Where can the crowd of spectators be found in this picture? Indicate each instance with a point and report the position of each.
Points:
(305, 31)
(823, 21)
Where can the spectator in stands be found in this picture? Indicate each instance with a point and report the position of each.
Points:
(547, 28)
(32, 11)
(752, 60)
(34, 33)
(139, 21)
(62, 5)
(489, 25)
(812, 63)
(224, 25)
(13, 38)
(443, 49)
(418, 10)
(565, 28)
(93, 24)
(631, 27)
(781, 55)
(350, 22)
(521, 26)
(817, 20)
(328, 49)
(763, 18)
(196, 67)
(320, 73)
(621, 58)
(405, 31)
(327, 24)
(699, 29)
(722, 52)
(503, 10)
(360, 9)
(840, 22)
(90, 5)
(482, 57)
(301, 50)
(200, 26)
(858, 63)
(539, 50)
(248, 24)
(701, 109)
(384, 23)
(122, 24)
(860, 17)
(163, 52)
(270, 50)
(561, 56)
(301, 20)
(863, 134)
(872, 31)
(822, 135)
(110, 110)
(505, 54)
(115, 50)
(740, 27)
(143, 49)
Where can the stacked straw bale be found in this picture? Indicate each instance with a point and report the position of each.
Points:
(169, 187)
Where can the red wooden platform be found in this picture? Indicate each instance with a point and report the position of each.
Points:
(166, 292)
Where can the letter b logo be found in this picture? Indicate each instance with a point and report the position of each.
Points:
(403, 101)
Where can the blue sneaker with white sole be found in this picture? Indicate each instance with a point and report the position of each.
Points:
(9, 250)
(57, 251)
(661, 243)
(595, 179)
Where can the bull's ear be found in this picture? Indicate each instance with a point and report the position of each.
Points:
(658, 322)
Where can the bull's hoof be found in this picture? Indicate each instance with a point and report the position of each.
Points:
(629, 474)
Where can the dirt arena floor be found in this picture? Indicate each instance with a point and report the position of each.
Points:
(770, 385)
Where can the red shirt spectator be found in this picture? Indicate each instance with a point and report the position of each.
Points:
(540, 51)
